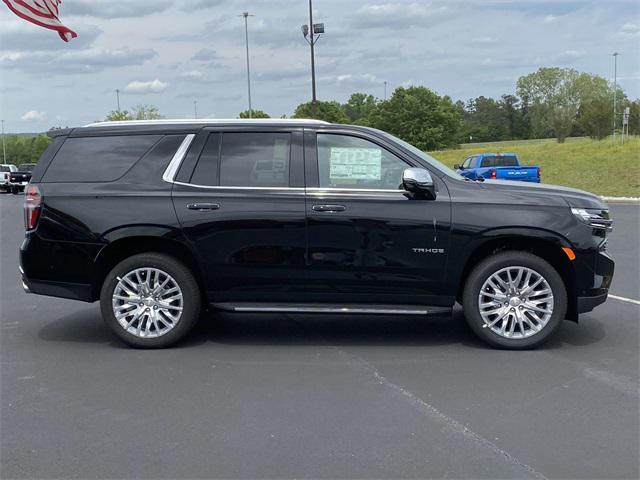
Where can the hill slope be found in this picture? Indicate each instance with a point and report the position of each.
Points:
(600, 167)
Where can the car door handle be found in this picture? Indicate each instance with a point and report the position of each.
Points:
(203, 207)
(329, 208)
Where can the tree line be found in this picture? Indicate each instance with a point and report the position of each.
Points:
(548, 103)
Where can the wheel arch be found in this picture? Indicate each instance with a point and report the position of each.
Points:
(124, 247)
(541, 243)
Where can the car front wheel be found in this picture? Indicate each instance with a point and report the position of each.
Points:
(150, 300)
(514, 300)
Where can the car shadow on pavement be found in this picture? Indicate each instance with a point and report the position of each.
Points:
(86, 326)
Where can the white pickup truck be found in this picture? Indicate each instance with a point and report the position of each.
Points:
(5, 174)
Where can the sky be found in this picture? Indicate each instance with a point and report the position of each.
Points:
(170, 53)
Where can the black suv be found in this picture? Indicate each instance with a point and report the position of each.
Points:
(160, 219)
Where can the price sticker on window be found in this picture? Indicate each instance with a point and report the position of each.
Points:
(355, 163)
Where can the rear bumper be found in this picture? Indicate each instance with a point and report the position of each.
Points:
(74, 291)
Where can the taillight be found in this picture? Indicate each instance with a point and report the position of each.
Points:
(493, 175)
(539, 172)
(32, 206)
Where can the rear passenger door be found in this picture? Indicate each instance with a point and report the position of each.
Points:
(239, 196)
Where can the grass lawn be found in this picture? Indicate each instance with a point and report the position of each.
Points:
(600, 167)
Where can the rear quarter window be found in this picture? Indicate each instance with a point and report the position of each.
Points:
(97, 159)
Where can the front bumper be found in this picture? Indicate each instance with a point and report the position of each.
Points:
(586, 304)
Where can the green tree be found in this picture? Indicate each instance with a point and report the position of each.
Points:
(484, 120)
(139, 112)
(595, 115)
(254, 114)
(118, 116)
(419, 116)
(555, 99)
(360, 107)
(634, 116)
(327, 111)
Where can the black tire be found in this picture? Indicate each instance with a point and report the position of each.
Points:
(182, 276)
(15, 190)
(493, 264)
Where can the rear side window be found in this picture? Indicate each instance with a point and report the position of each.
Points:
(98, 159)
(500, 161)
(259, 159)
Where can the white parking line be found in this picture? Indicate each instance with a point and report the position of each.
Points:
(625, 299)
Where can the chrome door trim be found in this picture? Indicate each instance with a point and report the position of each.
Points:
(170, 173)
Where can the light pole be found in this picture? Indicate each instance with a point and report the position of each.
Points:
(118, 99)
(311, 34)
(4, 149)
(385, 90)
(615, 88)
(246, 15)
(195, 109)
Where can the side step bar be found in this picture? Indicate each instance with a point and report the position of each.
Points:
(329, 308)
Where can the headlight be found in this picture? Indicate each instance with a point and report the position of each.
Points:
(595, 218)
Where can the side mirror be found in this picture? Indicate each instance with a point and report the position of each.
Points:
(457, 166)
(418, 181)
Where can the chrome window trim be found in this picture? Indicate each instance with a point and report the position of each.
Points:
(354, 190)
(220, 187)
(172, 169)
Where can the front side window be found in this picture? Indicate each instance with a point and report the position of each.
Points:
(355, 163)
(258, 159)
(467, 162)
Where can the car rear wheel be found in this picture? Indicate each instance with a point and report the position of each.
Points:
(150, 300)
(514, 300)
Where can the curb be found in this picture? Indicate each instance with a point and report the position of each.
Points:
(622, 200)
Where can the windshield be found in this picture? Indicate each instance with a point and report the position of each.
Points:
(438, 165)
(500, 161)
(27, 167)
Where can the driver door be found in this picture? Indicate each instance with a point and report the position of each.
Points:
(368, 240)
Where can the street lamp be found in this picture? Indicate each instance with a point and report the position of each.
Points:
(195, 109)
(246, 15)
(311, 34)
(118, 99)
(615, 88)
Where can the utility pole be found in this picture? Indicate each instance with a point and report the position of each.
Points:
(246, 15)
(4, 148)
(195, 109)
(313, 32)
(118, 99)
(615, 90)
(385, 90)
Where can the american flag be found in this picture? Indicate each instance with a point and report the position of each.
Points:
(43, 13)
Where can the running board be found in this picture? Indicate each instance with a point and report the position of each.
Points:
(324, 308)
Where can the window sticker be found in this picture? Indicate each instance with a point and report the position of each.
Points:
(355, 163)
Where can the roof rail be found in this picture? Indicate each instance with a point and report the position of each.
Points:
(208, 121)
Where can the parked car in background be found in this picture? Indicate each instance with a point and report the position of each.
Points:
(497, 166)
(19, 179)
(157, 219)
(5, 176)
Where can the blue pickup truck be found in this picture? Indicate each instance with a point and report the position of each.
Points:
(497, 166)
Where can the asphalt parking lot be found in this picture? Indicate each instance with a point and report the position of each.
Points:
(284, 396)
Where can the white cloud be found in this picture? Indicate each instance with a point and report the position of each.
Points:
(193, 74)
(34, 115)
(153, 86)
(549, 19)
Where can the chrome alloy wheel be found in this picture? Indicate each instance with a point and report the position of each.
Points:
(147, 302)
(515, 302)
